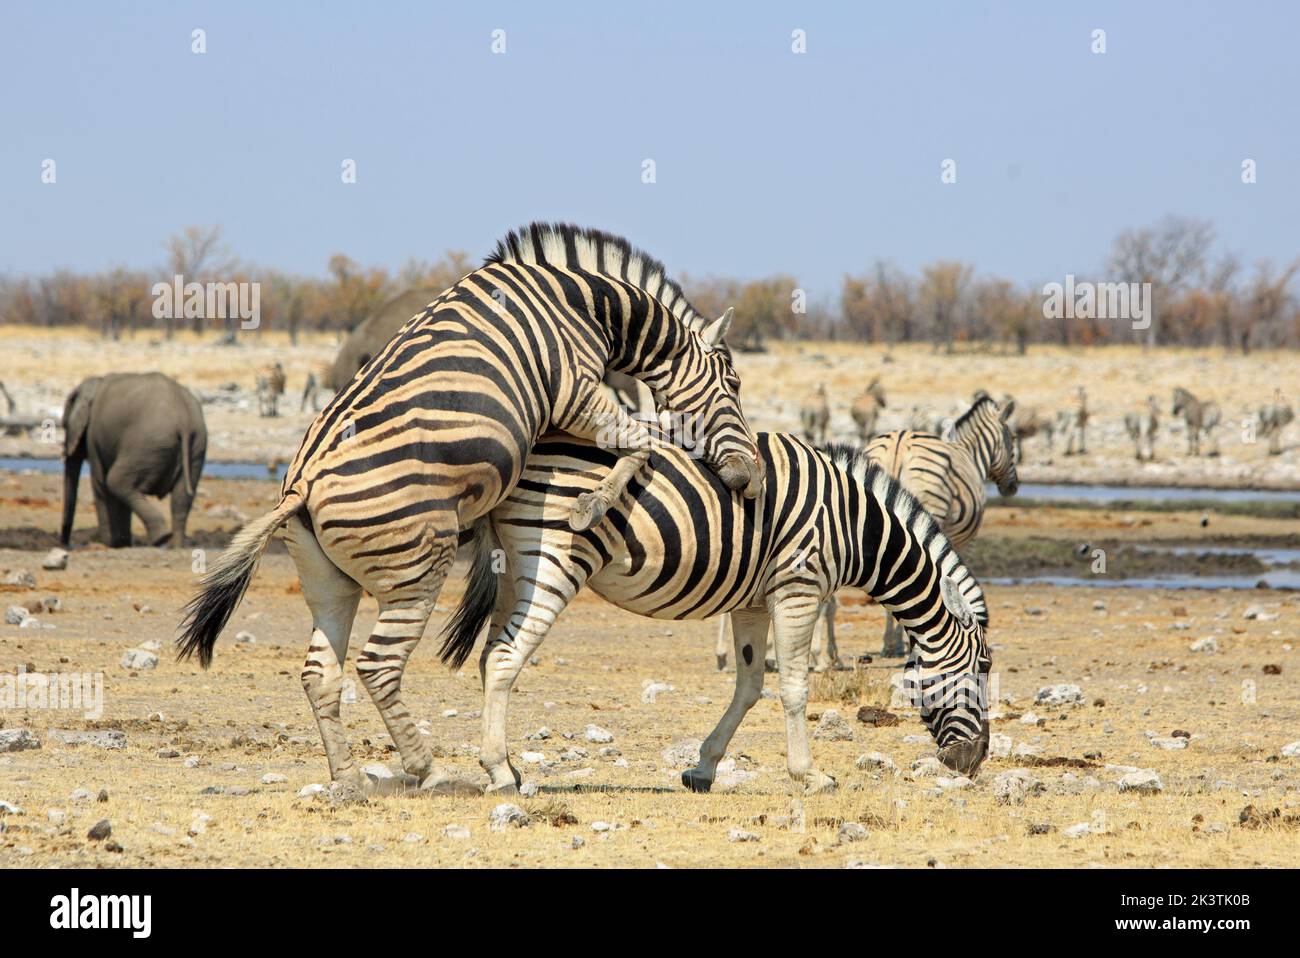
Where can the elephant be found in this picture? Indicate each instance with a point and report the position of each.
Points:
(144, 435)
(373, 334)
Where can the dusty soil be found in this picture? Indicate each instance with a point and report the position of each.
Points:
(248, 717)
(43, 366)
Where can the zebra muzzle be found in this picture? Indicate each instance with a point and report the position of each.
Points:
(966, 757)
(742, 473)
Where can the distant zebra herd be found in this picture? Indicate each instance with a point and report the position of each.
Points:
(527, 412)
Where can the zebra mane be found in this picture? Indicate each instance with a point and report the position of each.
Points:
(982, 401)
(595, 251)
(909, 511)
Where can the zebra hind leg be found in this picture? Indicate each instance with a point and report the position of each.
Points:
(793, 626)
(724, 641)
(750, 639)
(332, 598)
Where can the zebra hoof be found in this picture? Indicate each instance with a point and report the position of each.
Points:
(586, 512)
(722, 663)
(695, 781)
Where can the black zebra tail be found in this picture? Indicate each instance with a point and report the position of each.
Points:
(226, 582)
(475, 609)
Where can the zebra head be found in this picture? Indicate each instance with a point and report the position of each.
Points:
(952, 672)
(1002, 467)
(1182, 399)
(702, 388)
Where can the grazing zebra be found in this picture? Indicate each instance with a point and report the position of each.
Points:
(1273, 418)
(1142, 426)
(866, 407)
(1200, 417)
(815, 416)
(318, 375)
(1073, 423)
(948, 477)
(434, 431)
(679, 546)
(270, 387)
(1027, 422)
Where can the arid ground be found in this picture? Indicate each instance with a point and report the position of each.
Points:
(190, 784)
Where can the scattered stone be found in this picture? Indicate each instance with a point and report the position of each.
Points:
(851, 832)
(139, 659)
(55, 816)
(274, 778)
(877, 762)
(684, 753)
(168, 753)
(55, 560)
(928, 767)
(1290, 750)
(651, 690)
(1025, 750)
(307, 791)
(597, 735)
(16, 615)
(869, 715)
(1058, 695)
(541, 735)
(106, 738)
(81, 795)
(999, 745)
(21, 578)
(952, 783)
(1078, 831)
(17, 740)
(833, 728)
(100, 830)
(245, 638)
(740, 835)
(577, 842)
(194, 762)
(7, 808)
(1099, 606)
(533, 758)
(506, 816)
(1013, 787)
(458, 832)
(1169, 744)
(1041, 828)
(1209, 645)
(1258, 613)
(1143, 781)
(1033, 610)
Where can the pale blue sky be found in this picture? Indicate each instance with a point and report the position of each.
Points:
(767, 161)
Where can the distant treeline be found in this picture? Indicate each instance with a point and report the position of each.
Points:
(1199, 299)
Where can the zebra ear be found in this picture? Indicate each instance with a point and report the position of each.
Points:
(1008, 409)
(716, 331)
(955, 602)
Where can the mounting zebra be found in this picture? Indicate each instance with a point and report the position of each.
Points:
(1199, 417)
(948, 477)
(680, 546)
(1142, 426)
(434, 431)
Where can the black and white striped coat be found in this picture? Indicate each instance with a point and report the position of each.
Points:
(1273, 418)
(1142, 425)
(1201, 418)
(434, 431)
(680, 546)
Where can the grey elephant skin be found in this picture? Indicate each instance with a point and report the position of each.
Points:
(144, 435)
(373, 334)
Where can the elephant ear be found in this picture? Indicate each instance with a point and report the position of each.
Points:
(76, 414)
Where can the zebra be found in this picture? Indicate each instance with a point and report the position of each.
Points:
(1273, 418)
(1142, 426)
(1200, 417)
(825, 651)
(318, 378)
(1027, 422)
(434, 431)
(866, 407)
(815, 416)
(948, 477)
(679, 546)
(270, 387)
(1073, 424)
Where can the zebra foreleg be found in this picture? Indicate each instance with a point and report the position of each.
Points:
(793, 622)
(599, 418)
(332, 598)
(825, 653)
(750, 638)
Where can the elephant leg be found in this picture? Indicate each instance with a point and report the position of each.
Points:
(121, 485)
(102, 512)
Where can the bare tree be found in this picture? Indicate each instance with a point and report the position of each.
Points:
(198, 254)
(941, 291)
(1266, 300)
(1166, 255)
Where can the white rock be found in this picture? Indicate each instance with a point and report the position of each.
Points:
(449, 713)
(1058, 695)
(1143, 781)
(414, 838)
(1024, 749)
(1258, 613)
(876, 761)
(541, 735)
(1290, 750)
(16, 615)
(153, 645)
(245, 638)
(740, 835)
(928, 767)
(55, 559)
(274, 778)
(533, 758)
(56, 816)
(851, 832)
(107, 738)
(952, 783)
(1029, 718)
(597, 735)
(1013, 787)
(6, 808)
(377, 771)
(999, 745)
(506, 816)
(833, 728)
(457, 832)
(651, 690)
(139, 659)
(1169, 744)
(1209, 645)
(1077, 831)
(17, 740)
(307, 791)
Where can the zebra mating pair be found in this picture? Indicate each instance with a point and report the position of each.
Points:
(680, 546)
(434, 431)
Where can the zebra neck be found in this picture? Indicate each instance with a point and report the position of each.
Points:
(976, 439)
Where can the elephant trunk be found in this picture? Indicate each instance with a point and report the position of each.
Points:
(71, 476)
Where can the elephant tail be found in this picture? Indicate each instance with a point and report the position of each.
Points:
(226, 582)
(185, 461)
